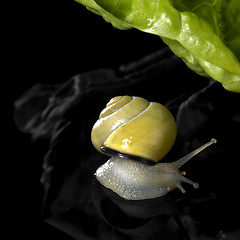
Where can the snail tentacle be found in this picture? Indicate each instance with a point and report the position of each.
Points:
(180, 187)
(186, 158)
(181, 178)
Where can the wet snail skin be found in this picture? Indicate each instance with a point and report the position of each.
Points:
(137, 134)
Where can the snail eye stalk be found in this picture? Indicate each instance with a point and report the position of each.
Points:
(186, 158)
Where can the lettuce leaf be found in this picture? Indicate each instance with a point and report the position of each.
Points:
(95, 8)
(204, 33)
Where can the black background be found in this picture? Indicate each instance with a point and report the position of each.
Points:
(49, 42)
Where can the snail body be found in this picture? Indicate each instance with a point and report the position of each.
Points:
(137, 135)
(137, 181)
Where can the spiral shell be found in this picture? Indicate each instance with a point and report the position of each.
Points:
(132, 126)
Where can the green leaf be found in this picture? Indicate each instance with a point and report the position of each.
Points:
(204, 33)
(95, 8)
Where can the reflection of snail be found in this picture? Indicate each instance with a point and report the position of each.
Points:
(137, 134)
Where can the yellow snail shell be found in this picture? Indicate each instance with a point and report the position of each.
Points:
(134, 129)
(134, 126)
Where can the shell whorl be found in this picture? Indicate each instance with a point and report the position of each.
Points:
(134, 126)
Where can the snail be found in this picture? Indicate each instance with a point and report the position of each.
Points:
(137, 134)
